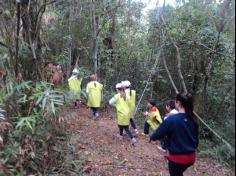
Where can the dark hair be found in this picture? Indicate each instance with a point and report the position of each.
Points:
(123, 95)
(152, 102)
(130, 93)
(171, 104)
(187, 101)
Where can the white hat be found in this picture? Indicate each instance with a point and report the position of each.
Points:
(76, 71)
(118, 85)
(126, 83)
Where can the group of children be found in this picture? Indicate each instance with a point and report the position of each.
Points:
(125, 103)
(178, 134)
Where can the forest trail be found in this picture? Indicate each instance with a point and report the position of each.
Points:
(102, 154)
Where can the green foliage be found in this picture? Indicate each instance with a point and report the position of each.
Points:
(10, 152)
(218, 152)
(127, 44)
(35, 104)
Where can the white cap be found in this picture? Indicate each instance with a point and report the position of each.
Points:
(76, 71)
(118, 85)
(126, 83)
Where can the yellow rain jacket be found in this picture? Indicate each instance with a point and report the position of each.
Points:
(75, 84)
(132, 102)
(154, 118)
(123, 110)
(94, 90)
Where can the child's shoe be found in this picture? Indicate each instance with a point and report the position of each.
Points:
(133, 141)
(95, 117)
(119, 136)
(161, 149)
(143, 134)
(136, 131)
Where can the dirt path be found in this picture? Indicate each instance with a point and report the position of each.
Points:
(102, 154)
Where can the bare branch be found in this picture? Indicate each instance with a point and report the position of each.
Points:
(179, 68)
(3, 44)
(170, 77)
(210, 49)
(214, 51)
(42, 9)
(178, 58)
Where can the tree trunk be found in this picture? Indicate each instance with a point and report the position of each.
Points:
(95, 22)
(31, 21)
(17, 38)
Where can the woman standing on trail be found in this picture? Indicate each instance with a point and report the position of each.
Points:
(94, 92)
(181, 131)
(122, 107)
(153, 119)
(131, 94)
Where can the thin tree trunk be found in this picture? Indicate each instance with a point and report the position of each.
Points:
(17, 39)
(178, 58)
(70, 45)
(95, 42)
(179, 68)
(170, 77)
(129, 25)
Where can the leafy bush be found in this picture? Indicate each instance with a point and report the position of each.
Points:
(217, 151)
(30, 128)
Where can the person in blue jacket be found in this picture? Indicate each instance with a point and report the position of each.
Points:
(181, 131)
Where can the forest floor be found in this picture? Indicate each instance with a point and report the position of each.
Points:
(101, 154)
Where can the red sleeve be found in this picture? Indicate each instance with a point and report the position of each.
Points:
(154, 109)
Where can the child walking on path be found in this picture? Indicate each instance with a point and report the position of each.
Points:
(94, 92)
(153, 118)
(170, 110)
(131, 94)
(75, 86)
(122, 107)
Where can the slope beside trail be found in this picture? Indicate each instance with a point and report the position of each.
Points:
(102, 154)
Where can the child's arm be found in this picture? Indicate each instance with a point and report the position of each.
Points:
(162, 131)
(145, 114)
(87, 89)
(112, 101)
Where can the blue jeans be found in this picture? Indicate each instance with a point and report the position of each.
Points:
(127, 130)
(132, 123)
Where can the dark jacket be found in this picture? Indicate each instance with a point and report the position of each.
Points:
(182, 134)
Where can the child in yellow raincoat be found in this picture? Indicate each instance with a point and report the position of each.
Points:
(131, 94)
(75, 85)
(153, 118)
(123, 112)
(94, 92)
